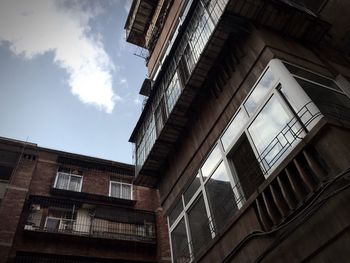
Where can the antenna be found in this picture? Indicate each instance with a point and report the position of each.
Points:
(142, 53)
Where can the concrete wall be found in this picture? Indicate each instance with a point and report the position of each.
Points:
(213, 113)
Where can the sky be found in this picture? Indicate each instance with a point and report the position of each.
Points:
(69, 81)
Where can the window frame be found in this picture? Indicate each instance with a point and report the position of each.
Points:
(70, 175)
(284, 78)
(55, 218)
(121, 183)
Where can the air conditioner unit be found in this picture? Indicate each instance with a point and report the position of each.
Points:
(35, 207)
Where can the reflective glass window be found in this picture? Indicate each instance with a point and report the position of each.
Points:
(199, 225)
(330, 102)
(259, 92)
(179, 243)
(175, 212)
(191, 190)
(312, 76)
(211, 162)
(266, 131)
(221, 197)
(234, 129)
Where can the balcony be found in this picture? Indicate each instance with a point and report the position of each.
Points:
(205, 39)
(139, 20)
(87, 220)
(299, 184)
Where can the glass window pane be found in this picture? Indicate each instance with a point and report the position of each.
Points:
(221, 197)
(199, 225)
(260, 91)
(115, 190)
(312, 76)
(180, 244)
(126, 191)
(62, 181)
(74, 184)
(234, 129)
(266, 132)
(192, 189)
(173, 92)
(211, 162)
(52, 224)
(176, 212)
(329, 102)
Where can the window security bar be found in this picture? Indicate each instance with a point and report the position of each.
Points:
(304, 112)
(285, 139)
(195, 38)
(91, 221)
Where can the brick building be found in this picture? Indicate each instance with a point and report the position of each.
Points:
(63, 207)
(245, 127)
(242, 150)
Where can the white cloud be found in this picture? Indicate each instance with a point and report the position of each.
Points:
(127, 5)
(34, 27)
(137, 100)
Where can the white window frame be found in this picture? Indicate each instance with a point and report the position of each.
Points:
(121, 183)
(70, 175)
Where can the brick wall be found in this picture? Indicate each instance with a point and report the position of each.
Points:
(36, 177)
(12, 205)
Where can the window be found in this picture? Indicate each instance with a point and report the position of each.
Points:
(176, 212)
(211, 162)
(199, 225)
(268, 132)
(221, 197)
(160, 116)
(330, 102)
(273, 119)
(120, 190)
(260, 91)
(179, 243)
(60, 219)
(192, 189)
(173, 92)
(69, 180)
(234, 129)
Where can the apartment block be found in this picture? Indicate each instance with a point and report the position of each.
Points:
(64, 207)
(245, 127)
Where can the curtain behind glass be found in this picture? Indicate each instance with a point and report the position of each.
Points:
(115, 190)
(62, 181)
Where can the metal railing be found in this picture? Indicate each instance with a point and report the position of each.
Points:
(288, 135)
(91, 221)
(193, 41)
(297, 128)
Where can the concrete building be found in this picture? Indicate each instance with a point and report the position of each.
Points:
(245, 128)
(67, 208)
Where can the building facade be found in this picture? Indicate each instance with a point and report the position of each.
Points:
(245, 127)
(67, 208)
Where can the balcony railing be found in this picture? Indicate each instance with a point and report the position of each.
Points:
(182, 64)
(288, 190)
(89, 220)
